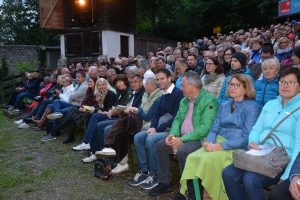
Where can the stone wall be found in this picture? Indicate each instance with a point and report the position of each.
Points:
(15, 54)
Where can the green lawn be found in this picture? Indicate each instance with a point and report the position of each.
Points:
(31, 169)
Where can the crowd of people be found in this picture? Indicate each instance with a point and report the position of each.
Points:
(197, 102)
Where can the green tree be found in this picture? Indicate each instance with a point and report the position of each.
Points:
(19, 24)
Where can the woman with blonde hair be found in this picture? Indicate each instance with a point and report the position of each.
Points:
(232, 125)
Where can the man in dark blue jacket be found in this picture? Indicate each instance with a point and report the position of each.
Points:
(288, 189)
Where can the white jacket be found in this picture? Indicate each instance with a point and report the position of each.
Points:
(64, 96)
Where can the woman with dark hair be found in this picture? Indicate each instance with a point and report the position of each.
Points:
(227, 60)
(123, 97)
(238, 66)
(229, 132)
(213, 78)
(296, 57)
(241, 184)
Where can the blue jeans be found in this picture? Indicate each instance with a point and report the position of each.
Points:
(240, 184)
(145, 147)
(19, 99)
(97, 142)
(92, 126)
(42, 107)
(60, 106)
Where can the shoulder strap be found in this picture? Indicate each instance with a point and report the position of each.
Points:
(273, 129)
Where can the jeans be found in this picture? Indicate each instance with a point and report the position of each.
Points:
(92, 126)
(240, 184)
(42, 107)
(145, 147)
(97, 142)
(19, 99)
(60, 106)
(163, 152)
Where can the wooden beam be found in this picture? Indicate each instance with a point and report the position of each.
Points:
(50, 13)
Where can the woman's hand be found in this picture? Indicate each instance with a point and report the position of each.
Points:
(214, 147)
(294, 188)
(253, 145)
(81, 109)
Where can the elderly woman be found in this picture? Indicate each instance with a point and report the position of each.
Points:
(230, 131)
(242, 184)
(267, 87)
(213, 78)
(284, 51)
(238, 66)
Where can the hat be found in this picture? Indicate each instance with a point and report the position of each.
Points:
(294, 22)
(240, 57)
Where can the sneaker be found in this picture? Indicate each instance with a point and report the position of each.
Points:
(81, 147)
(106, 152)
(48, 138)
(23, 126)
(56, 115)
(15, 111)
(120, 168)
(138, 179)
(19, 122)
(160, 189)
(149, 183)
(89, 159)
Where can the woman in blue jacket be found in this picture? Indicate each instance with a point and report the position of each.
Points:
(238, 66)
(267, 87)
(242, 184)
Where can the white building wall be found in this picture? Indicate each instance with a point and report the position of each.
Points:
(111, 44)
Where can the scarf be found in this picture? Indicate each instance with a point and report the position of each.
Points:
(286, 50)
(100, 99)
(210, 78)
(238, 71)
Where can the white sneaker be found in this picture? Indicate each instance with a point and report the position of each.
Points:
(89, 159)
(81, 147)
(23, 126)
(106, 152)
(120, 168)
(56, 115)
(19, 122)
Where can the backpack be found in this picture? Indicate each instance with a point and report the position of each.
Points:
(103, 167)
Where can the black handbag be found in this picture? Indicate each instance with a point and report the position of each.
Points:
(103, 167)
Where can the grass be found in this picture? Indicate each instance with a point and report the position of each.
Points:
(31, 169)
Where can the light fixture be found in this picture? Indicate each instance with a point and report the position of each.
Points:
(81, 2)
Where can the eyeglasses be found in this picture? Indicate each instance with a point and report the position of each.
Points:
(227, 54)
(209, 63)
(132, 82)
(234, 85)
(288, 83)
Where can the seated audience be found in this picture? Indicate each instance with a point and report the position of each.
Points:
(240, 184)
(229, 132)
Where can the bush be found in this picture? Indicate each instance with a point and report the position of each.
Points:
(21, 68)
(3, 68)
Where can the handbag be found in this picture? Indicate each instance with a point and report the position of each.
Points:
(103, 167)
(269, 165)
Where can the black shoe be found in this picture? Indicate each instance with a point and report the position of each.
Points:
(159, 189)
(179, 196)
(69, 140)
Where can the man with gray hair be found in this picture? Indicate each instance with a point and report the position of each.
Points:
(111, 75)
(193, 121)
(93, 72)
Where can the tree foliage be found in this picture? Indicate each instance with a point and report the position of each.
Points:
(19, 22)
(188, 19)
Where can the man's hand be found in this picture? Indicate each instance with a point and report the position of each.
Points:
(294, 188)
(81, 109)
(151, 131)
(253, 145)
(130, 110)
(176, 143)
(169, 140)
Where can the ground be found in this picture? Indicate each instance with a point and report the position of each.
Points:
(31, 169)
